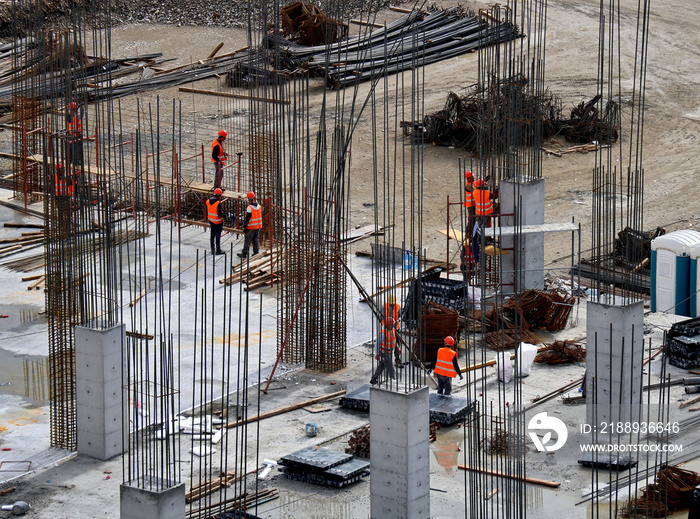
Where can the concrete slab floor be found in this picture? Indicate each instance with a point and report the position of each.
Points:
(62, 485)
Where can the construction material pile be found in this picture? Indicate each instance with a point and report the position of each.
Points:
(321, 466)
(561, 352)
(633, 248)
(260, 270)
(358, 444)
(512, 323)
(461, 124)
(430, 287)
(672, 491)
(683, 344)
(437, 322)
(306, 24)
(435, 35)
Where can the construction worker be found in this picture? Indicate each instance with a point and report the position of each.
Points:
(469, 199)
(445, 366)
(383, 350)
(391, 309)
(483, 209)
(252, 225)
(218, 157)
(74, 131)
(215, 215)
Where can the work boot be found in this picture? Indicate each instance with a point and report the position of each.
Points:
(242, 254)
(219, 252)
(373, 381)
(213, 251)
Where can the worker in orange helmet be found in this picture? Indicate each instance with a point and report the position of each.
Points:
(483, 209)
(218, 157)
(469, 199)
(215, 216)
(446, 367)
(393, 310)
(383, 350)
(74, 132)
(252, 225)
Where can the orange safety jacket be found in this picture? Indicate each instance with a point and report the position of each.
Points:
(62, 186)
(482, 201)
(392, 310)
(468, 196)
(388, 340)
(213, 211)
(444, 365)
(75, 126)
(220, 153)
(255, 221)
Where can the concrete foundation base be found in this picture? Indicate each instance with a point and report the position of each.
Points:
(400, 462)
(98, 381)
(614, 342)
(137, 503)
(522, 203)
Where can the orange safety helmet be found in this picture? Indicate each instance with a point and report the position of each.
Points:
(251, 195)
(478, 182)
(72, 105)
(218, 191)
(222, 133)
(468, 174)
(449, 340)
(389, 322)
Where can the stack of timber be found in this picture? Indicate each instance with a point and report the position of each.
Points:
(260, 270)
(561, 352)
(226, 479)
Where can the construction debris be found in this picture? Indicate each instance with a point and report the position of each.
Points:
(306, 24)
(358, 444)
(671, 491)
(561, 352)
(437, 322)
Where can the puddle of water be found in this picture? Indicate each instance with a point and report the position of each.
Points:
(24, 375)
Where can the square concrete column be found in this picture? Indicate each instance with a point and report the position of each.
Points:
(400, 454)
(523, 265)
(615, 353)
(98, 383)
(137, 503)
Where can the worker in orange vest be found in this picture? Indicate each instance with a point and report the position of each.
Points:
(445, 366)
(63, 184)
(393, 310)
(469, 199)
(218, 157)
(252, 225)
(215, 215)
(483, 209)
(383, 350)
(74, 131)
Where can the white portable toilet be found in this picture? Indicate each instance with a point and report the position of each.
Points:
(670, 271)
(695, 282)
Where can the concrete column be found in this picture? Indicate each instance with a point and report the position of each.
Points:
(615, 351)
(98, 383)
(137, 503)
(400, 454)
(523, 266)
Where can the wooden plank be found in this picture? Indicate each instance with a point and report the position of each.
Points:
(535, 481)
(689, 402)
(286, 409)
(231, 94)
(217, 49)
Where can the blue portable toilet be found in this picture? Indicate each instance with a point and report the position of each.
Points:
(695, 282)
(670, 271)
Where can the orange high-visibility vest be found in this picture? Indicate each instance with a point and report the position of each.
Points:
(222, 157)
(388, 341)
(444, 365)
(468, 196)
(393, 311)
(213, 211)
(482, 202)
(255, 221)
(62, 187)
(75, 126)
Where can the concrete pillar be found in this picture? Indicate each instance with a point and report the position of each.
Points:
(137, 503)
(523, 266)
(400, 454)
(98, 383)
(615, 351)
